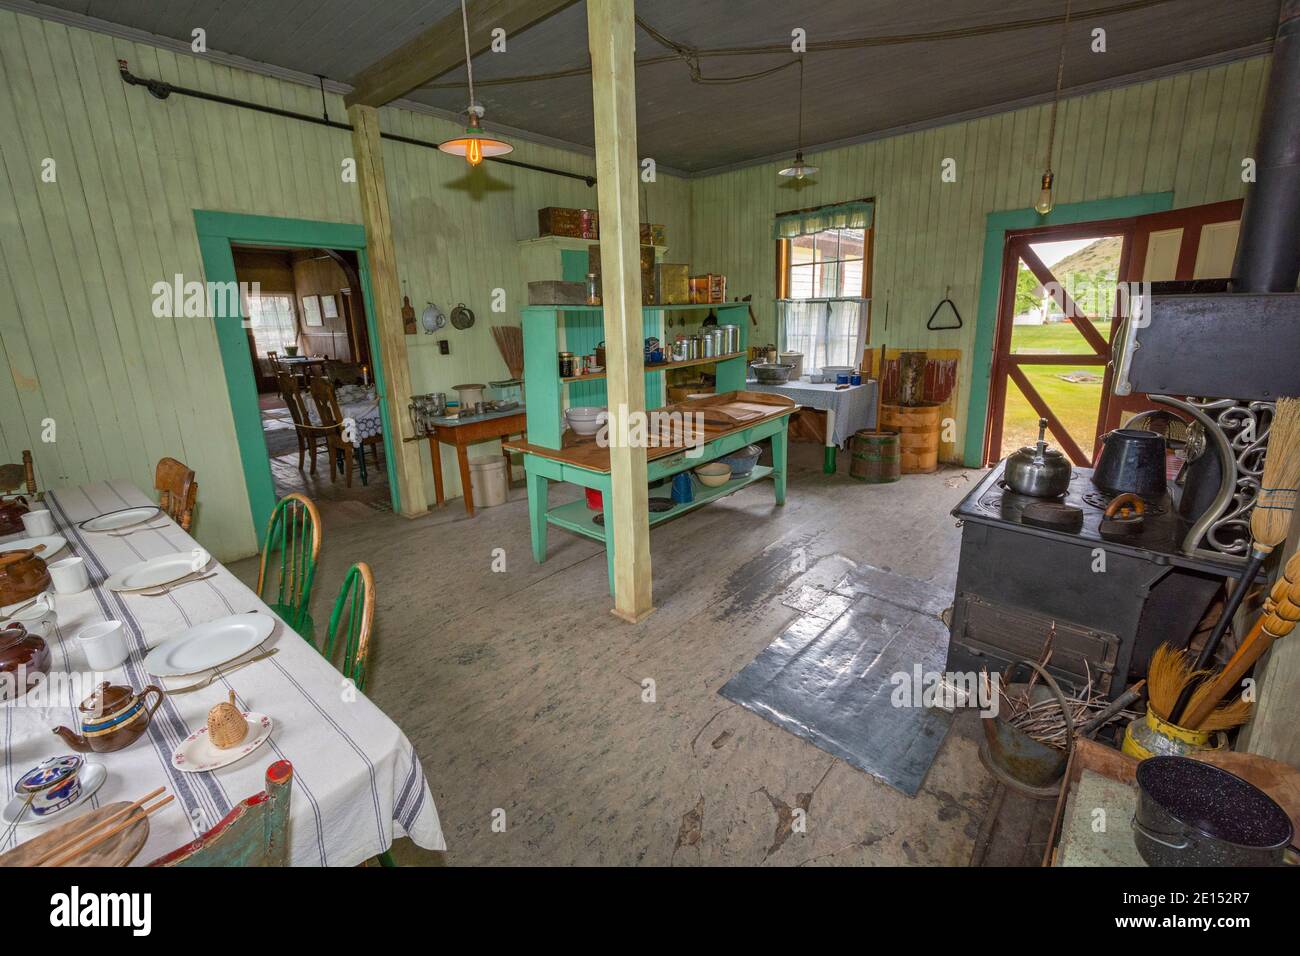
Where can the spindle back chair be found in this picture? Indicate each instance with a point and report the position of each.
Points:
(177, 490)
(294, 531)
(352, 623)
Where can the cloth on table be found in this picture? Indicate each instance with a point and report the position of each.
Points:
(854, 407)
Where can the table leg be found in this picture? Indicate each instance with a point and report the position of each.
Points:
(607, 508)
(537, 487)
(780, 459)
(828, 461)
(361, 452)
(466, 488)
(435, 459)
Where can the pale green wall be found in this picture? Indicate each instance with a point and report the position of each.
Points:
(78, 257)
(1186, 134)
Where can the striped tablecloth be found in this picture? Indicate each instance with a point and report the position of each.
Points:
(357, 781)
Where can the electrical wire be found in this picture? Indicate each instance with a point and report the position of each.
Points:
(691, 56)
(1056, 97)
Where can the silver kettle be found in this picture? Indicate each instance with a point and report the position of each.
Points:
(1038, 471)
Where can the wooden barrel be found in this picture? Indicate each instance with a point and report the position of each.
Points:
(918, 435)
(874, 457)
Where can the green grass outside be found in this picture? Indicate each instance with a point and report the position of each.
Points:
(1076, 404)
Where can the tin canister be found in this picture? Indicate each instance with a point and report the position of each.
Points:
(730, 338)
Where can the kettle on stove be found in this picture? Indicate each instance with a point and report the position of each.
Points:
(1037, 470)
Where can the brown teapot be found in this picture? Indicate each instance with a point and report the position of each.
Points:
(23, 657)
(111, 718)
(22, 575)
(11, 514)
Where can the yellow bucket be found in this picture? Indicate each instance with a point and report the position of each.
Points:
(1150, 736)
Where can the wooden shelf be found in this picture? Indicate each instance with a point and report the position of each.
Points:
(660, 366)
(577, 517)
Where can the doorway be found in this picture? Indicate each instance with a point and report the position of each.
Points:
(310, 349)
(219, 235)
(1056, 315)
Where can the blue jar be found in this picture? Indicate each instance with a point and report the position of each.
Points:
(683, 489)
(855, 378)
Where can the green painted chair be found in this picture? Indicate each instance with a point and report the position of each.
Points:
(294, 534)
(351, 624)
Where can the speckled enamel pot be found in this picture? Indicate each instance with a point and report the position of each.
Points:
(1195, 814)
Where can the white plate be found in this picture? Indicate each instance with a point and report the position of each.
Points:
(205, 646)
(158, 571)
(197, 753)
(54, 543)
(116, 520)
(93, 776)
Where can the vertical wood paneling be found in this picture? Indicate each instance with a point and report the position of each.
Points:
(1186, 134)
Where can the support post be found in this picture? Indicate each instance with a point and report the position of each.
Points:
(611, 39)
(388, 304)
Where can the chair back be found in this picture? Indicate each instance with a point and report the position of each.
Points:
(18, 475)
(177, 490)
(327, 403)
(254, 833)
(293, 398)
(351, 624)
(294, 534)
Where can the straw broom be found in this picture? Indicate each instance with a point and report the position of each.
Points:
(510, 343)
(1269, 522)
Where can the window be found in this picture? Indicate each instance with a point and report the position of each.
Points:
(272, 322)
(823, 278)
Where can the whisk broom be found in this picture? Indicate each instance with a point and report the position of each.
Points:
(1269, 522)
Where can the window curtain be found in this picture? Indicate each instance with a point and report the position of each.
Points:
(825, 331)
(849, 215)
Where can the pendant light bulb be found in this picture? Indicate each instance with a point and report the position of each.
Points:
(799, 169)
(475, 144)
(1046, 200)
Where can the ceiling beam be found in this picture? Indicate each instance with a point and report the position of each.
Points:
(441, 47)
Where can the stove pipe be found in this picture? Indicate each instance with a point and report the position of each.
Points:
(1268, 253)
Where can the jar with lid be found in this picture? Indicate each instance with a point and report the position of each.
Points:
(593, 289)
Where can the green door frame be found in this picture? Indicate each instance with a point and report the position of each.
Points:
(997, 226)
(217, 230)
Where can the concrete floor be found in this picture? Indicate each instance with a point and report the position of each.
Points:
(522, 694)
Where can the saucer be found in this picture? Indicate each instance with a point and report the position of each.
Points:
(197, 753)
(93, 776)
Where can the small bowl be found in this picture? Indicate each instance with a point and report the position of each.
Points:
(585, 419)
(742, 461)
(714, 473)
(52, 784)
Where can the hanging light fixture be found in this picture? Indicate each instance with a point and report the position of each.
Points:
(475, 144)
(799, 169)
(1046, 195)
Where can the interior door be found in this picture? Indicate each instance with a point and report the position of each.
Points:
(1055, 320)
(1199, 242)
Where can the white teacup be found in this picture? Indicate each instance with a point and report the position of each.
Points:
(70, 575)
(39, 523)
(104, 645)
(39, 619)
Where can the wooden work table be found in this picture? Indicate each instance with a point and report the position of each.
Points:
(462, 434)
(584, 462)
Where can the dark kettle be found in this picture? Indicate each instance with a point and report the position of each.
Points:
(1132, 460)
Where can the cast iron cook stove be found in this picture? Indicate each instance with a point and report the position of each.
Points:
(1015, 581)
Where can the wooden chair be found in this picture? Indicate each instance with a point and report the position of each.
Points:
(331, 416)
(177, 490)
(254, 833)
(21, 475)
(295, 533)
(351, 623)
(308, 435)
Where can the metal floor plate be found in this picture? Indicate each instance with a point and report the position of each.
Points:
(829, 682)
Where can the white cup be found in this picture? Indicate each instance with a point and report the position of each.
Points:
(38, 523)
(104, 645)
(69, 575)
(39, 619)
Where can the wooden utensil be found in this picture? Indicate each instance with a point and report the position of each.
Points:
(119, 851)
(77, 850)
(17, 818)
(58, 849)
(1279, 617)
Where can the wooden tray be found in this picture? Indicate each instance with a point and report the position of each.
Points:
(119, 850)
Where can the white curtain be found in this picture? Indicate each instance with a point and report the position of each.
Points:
(825, 331)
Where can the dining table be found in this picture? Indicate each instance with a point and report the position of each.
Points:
(357, 781)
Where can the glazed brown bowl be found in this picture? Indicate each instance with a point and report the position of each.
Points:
(23, 656)
(22, 576)
(11, 514)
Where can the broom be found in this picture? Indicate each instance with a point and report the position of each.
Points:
(1281, 611)
(510, 343)
(1269, 522)
(1171, 675)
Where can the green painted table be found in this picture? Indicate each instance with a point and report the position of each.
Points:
(586, 464)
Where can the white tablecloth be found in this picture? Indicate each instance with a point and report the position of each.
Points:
(854, 407)
(357, 781)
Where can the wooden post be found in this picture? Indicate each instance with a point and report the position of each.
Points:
(611, 38)
(388, 304)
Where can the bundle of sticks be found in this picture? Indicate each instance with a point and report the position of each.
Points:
(1044, 721)
(69, 850)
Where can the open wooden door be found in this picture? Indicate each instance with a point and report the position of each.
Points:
(1199, 242)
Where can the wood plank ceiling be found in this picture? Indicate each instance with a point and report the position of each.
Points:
(693, 126)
